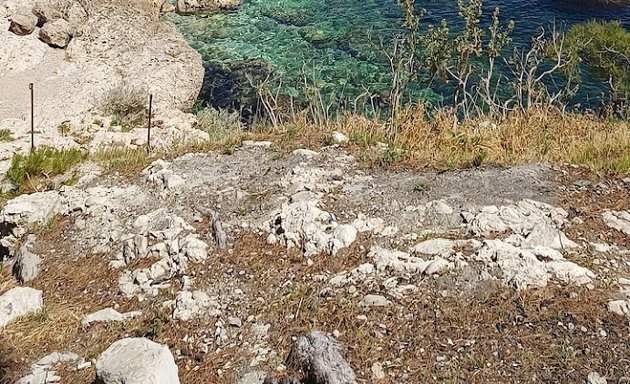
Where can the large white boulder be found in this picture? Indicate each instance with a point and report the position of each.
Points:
(18, 302)
(136, 361)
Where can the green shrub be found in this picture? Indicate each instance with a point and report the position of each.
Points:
(127, 105)
(604, 48)
(42, 163)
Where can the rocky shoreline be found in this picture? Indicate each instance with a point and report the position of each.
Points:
(76, 53)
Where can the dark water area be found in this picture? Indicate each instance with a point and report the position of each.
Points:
(335, 44)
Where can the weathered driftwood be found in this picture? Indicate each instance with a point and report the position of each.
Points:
(318, 358)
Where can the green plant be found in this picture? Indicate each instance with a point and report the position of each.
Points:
(126, 104)
(390, 156)
(154, 327)
(5, 135)
(604, 48)
(64, 128)
(42, 162)
(421, 187)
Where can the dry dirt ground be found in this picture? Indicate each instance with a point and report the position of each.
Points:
(452, 328)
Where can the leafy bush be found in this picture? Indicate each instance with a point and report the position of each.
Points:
(604, 47)
(42, 163)
(126, 104)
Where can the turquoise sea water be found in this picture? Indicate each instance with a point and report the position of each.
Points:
(336, 42)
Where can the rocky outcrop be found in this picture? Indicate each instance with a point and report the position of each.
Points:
(105, 47)
(56, 33)
(23, 25)
(136, 361)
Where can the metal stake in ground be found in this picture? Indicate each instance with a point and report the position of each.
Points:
(149, 125)
(30, 86)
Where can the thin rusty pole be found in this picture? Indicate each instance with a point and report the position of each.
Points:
(149, 126)
(30, 86)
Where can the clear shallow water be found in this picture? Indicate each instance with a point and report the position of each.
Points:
(335, 42)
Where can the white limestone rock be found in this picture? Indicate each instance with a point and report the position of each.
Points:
(303, 225)
(339, 138)
(438, 266)
(305, 153)
(569, 272)
(389, 260)
(619, 307)
(194, 249)
(520, 268)
(19, 302)
(519, 218)
(595, 378)
(619, 220)
(188, 305)
(434, 247)
(159, 173)
(136, 361)
(42, 371)
(23, 24)
(374, 301)
(545, 235)
(108, 315)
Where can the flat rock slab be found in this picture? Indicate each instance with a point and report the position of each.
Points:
(107, 315)
(136, 361)
(619, 220)
(18, 302)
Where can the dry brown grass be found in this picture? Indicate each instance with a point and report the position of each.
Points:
(443, 142)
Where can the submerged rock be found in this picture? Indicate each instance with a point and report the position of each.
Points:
(188, 7)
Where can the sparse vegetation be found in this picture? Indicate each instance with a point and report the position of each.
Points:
(64, 128)
(41, 164)
(219, 124)
(121, 159)
(5, 135)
